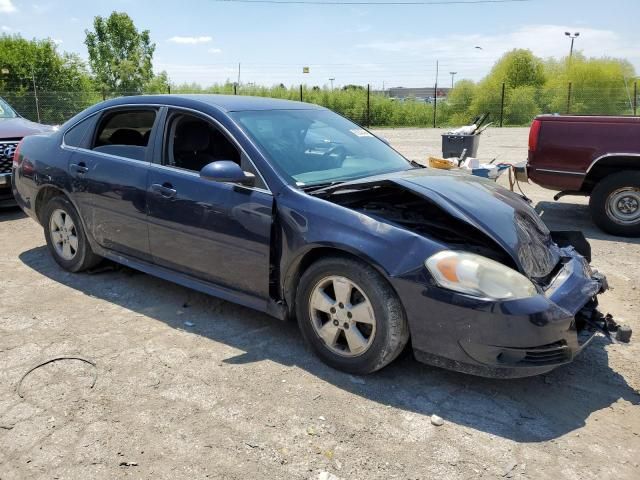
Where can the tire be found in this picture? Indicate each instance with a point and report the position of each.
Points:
(615, 204)
(61, 224)
(371, 298)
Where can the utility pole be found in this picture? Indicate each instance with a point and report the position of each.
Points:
(435, 95)
(238, 73)
(453, 74)
(572, 37)
(331, 80)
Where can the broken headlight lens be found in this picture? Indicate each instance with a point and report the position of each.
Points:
(478, 276)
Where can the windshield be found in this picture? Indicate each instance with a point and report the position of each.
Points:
(6, 111)
(317, 147)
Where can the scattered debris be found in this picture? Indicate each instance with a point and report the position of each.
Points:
(624, 333)
(128, 464)
(7, 427)
(509, 468)
(321, 418)
(56, 359)
(436, 420)
(327, 476)
(311, 431)
(252, 445)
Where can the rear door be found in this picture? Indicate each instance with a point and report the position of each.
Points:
(110, 178)
(217, 232)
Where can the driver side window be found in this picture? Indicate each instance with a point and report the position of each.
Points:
(192, 142)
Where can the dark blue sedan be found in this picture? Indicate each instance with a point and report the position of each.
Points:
(291, 209)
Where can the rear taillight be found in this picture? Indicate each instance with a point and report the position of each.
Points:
(16, 155)
(534, 134)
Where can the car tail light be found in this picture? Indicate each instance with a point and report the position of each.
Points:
(534, 133)
(16, 155)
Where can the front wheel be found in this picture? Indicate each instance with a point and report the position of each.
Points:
(350, 316)
(65, 236)
(615, 204)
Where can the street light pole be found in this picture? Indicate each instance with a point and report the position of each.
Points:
(573, 38)
(331, 80)
(453, 74)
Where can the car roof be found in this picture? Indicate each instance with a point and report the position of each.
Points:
(227, 103)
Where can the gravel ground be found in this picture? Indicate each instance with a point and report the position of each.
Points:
(189, 386)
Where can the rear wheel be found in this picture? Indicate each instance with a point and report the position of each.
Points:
(350, 316)
(65, 236)
(615, 204)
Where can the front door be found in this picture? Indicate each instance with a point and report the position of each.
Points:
(217, 232)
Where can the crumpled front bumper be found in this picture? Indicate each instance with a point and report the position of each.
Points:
(508, 339)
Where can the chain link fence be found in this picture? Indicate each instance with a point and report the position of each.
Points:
(506, 106)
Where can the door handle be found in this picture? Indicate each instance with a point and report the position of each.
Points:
(166, 190)
(79, 168)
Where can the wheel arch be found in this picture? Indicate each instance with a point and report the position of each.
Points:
(46, 193)
(301, 262)
(608, 164)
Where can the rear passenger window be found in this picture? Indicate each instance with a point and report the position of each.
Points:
(77, 136)
(125, 133)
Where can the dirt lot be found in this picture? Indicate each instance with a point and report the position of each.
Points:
(189, 386)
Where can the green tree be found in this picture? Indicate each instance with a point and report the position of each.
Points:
(61, 80)
(119, 55)
(158, 84)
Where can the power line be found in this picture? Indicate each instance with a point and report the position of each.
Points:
(399, 3)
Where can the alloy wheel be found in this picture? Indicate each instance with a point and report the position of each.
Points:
(342, 316)
(64, 235)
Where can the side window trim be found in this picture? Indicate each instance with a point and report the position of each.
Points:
(208, 118)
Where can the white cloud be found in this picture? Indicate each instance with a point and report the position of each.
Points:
(457, 50)
(7, 6)
(57, 41)
(6, 29)
(215, 50)
(190, 40)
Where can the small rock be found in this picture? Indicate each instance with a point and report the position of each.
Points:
(436, 420)
(321, 418)
(189, 324)
(327, 476)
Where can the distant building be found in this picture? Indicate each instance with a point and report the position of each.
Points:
(424, 93)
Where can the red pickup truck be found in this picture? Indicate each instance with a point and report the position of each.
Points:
(597, 157)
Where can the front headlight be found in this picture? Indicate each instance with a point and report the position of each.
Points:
(478, 276)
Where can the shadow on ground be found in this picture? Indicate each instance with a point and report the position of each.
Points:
(525, 410)
(567, 216)
(11, 213)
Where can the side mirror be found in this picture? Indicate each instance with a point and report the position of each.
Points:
(227, 171)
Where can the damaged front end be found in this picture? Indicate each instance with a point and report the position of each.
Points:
(489, 337)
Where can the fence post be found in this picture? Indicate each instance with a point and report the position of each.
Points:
(502, 105)
(368, 105)
(635, 98)
(301, 92)
(569, 99)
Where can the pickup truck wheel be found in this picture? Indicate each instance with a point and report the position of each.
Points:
(615, 204)
(349, 315)
(65, 236)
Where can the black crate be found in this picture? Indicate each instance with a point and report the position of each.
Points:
(454, 145)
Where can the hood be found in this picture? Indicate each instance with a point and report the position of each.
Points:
(497, 213)
(20, 127)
